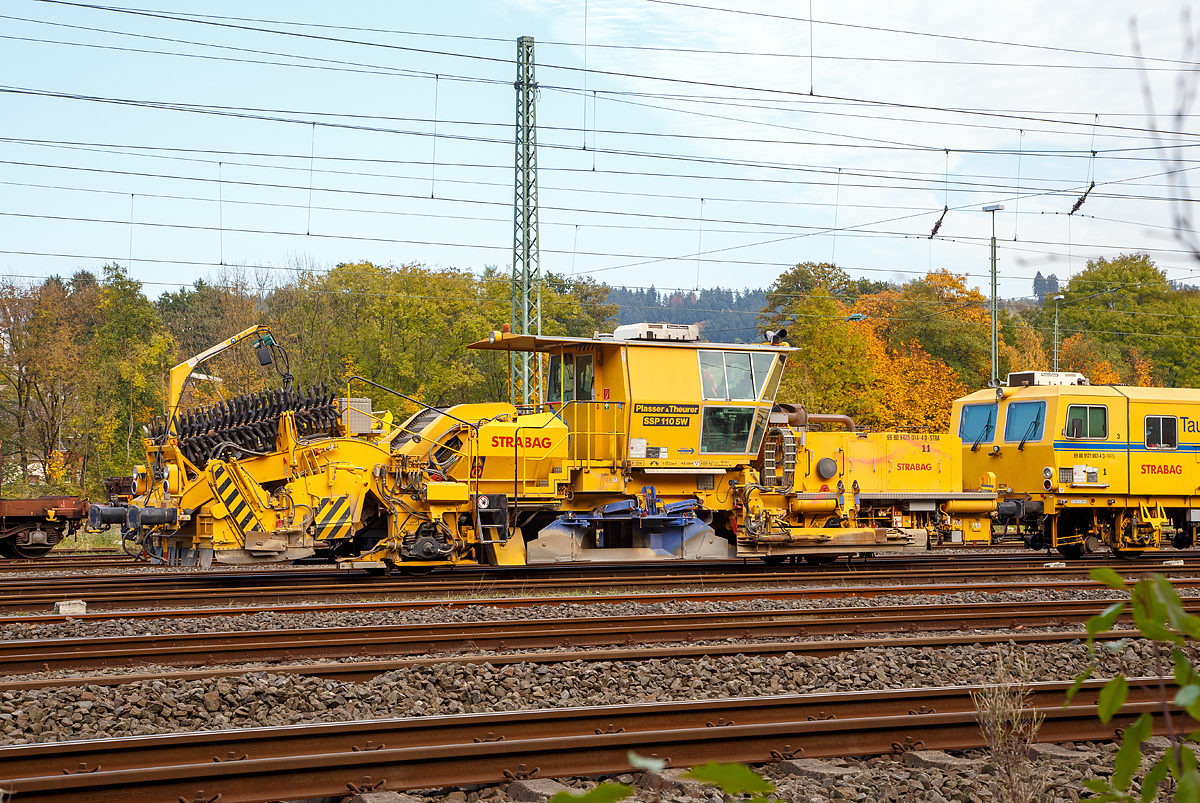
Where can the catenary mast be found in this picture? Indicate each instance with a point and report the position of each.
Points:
(525, 368)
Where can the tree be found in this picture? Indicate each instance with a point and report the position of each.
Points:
(1028, 352)
(917, 390)
(1039, 287)
(1130, 315)
(795, 285)
(944, 316)
(836, 367)
(130, 353)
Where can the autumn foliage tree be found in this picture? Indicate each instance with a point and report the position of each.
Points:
(868, 354)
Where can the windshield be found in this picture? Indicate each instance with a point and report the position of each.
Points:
(978, 423)
(1024, 421)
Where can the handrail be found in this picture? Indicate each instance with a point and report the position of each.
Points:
(363, 379)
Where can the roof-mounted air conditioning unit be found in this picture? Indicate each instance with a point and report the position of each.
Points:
(687, 333)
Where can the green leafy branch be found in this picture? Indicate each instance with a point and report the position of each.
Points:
(733, 779)
(1160, 617)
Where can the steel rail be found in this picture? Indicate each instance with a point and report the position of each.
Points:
(164, 577)
(56, 560)
(555, 743)
(359, 671)
(55, 758)
(290, 644)
(18, 598)
(67, 562)
(421, 603)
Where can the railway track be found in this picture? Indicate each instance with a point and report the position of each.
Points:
(68, 562)
(364, 670)
(259, 765)
(572, 634)
(294, 585)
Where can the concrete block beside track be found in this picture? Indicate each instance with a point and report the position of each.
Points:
(1054, 752)
(385, 797)
(813, 768)
(70, 607)
(535, 790)
(939, 760)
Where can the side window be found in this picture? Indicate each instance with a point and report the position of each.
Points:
(726, 430)
(760, 428)
(1086, 421)
(1162, 432)
(583, 378)
(554, 379)
(712, 375)
(978, 423)
(1024, 421)
(773, 380)
(763, 369)
(568, 378)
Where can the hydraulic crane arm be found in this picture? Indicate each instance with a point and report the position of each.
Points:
(181, 372)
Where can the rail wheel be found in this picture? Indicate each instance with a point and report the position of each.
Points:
(1071, 551)
(11, 549)
(1182, 539)
(31, 552)
(1128, 554)
(774, 560)
(820, 560)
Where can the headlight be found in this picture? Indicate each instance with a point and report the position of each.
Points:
(1048, 472)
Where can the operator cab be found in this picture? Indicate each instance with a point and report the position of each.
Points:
(654, 395)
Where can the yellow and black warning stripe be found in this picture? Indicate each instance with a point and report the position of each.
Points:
(239, 510)
(335, 518)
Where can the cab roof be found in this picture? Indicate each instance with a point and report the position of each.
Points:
(500, 341)
(1132, 392)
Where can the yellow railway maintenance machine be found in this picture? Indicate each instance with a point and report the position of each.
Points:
(649, 445)
(1082, 466)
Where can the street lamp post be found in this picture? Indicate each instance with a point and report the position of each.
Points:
(1059, 298)
(1056, 300)
(994, 208)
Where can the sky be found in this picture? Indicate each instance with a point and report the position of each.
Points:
(680, 144)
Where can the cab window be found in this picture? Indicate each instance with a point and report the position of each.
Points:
(554, 379)
(1024, 421)
(712, 375)
(737, 375)
(760, 428)
(762, 371)
(726, 430)
(1086, 421)
(773, 379)
(978, 423)
(1162, 432)
(583, 377)
(568, 377)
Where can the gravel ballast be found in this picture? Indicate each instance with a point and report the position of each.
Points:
(287, 620)
(928, 776)
(263, 699)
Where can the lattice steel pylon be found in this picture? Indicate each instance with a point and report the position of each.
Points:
(525, 370)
